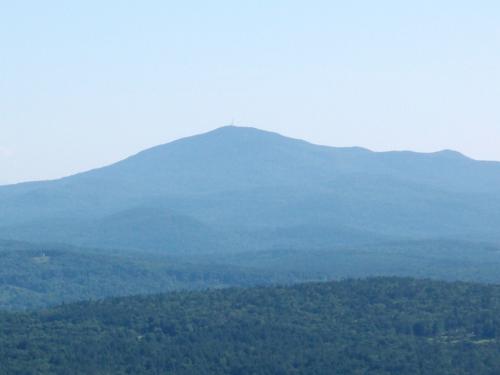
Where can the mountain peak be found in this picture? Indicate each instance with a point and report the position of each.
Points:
(451, 154)
(242, 131)
(232, 139)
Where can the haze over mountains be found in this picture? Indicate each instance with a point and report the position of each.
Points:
(241, 206)
(239, 188)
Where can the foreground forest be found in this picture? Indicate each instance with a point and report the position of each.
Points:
(373, 326)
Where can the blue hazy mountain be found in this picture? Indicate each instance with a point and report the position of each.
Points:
(243, 187)
(144, 228)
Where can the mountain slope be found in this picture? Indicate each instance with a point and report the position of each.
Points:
(146, 228)
(249, 181)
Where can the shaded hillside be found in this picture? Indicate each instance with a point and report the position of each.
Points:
(377, 326)
(144, 228)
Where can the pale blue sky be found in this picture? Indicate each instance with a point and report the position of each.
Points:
(85, 83)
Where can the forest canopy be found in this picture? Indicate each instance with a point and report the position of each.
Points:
(373, 326)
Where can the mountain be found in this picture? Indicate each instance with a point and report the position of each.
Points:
(143, 228)
(242, 188)
(241, 206)
(378, 326)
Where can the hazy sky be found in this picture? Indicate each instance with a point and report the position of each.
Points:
(85, 83)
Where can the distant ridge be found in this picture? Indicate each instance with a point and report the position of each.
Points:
(253, 134)
(262, 185)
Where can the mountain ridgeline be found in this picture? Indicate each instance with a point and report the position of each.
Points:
(241, 188)
(240, 207)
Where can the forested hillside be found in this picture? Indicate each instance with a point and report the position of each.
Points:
(376, 326)
(41, 275)
(34, 276)
(437, 259)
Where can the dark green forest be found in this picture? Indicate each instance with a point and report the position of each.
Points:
(374, 326)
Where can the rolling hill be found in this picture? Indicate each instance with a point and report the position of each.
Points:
(40, 275)
(376, 326)
(43, 275)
